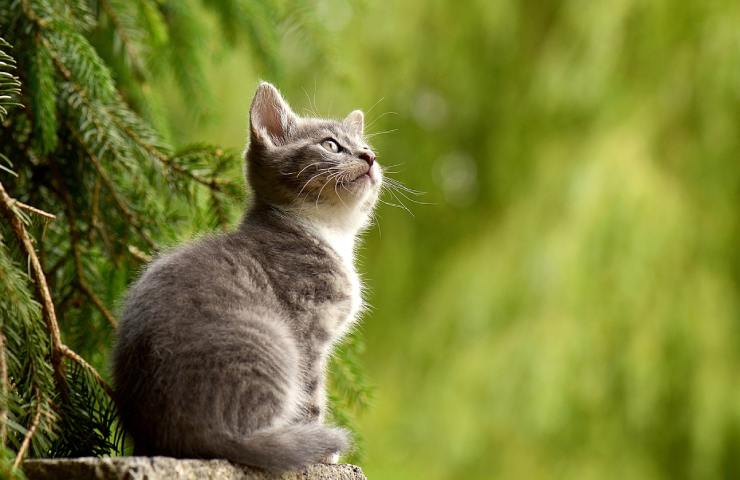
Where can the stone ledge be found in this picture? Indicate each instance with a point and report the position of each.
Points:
(156, 468)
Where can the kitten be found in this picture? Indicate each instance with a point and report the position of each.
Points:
(223, 343)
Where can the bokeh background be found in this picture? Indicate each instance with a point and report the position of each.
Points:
(562, 302)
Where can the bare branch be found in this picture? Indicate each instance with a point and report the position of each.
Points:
(98, 304)
(75, 357)
(35, 210)
(31, 431)
(139, 255)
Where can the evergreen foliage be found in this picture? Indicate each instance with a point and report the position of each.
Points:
(90, 189)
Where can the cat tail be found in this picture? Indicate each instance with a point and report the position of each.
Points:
(287, 447)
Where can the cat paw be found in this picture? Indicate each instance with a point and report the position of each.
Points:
(331, 459)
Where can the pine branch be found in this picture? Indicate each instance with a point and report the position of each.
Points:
(120, 121)
(120, 204)
(102, 87)
(42, 289)
(28, 349)
(59, 350)
(88, 425)
(75, 357)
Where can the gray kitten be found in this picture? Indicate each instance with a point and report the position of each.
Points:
(223, 343)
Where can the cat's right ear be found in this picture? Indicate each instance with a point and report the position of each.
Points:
(270, 117)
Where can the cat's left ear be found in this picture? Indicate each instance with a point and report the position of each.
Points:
(355, 122)
(270, 119)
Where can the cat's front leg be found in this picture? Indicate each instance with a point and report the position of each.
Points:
(331, 459)
(315, 407)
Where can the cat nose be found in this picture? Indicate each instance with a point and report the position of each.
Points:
(368, 156)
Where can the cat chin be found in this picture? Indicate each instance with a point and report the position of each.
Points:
(368, 181)
(364, 192)
(351, 204)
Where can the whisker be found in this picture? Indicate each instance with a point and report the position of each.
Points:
(374, 221)
(309, 166)
(309, 181)
(375, 120)
(336, 191)
(374, 105)
(390, 204)
(314, 92)
(369, 135)
(401, 203)
(329, 179)
(413, 200)
(399, 185)
(312, 109)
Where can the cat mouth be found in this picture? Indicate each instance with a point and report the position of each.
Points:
(367, 175)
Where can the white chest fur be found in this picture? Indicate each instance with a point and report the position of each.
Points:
(343, 244)
(339, 228)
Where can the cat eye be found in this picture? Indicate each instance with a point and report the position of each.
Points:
(331, 146)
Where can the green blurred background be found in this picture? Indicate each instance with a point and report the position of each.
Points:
(564, 302)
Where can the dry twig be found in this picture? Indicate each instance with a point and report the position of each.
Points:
(31, 431)
(35, 210)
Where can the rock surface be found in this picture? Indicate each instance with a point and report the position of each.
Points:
(156, 468)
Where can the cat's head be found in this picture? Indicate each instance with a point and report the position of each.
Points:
(318, 167)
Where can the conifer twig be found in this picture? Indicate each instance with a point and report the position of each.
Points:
(35, 210)
(31, 431)
(75, 357)
(139, 255)
(212, 183)
(28, 11)
(131, 217)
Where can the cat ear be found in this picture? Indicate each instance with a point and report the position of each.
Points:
(270, 117)
(355, 122)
